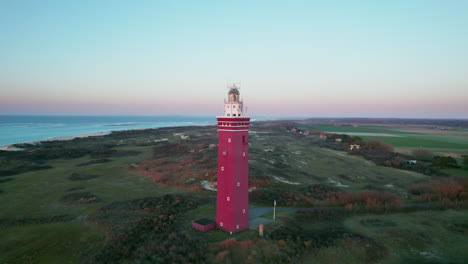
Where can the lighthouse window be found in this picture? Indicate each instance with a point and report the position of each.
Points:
(233, 114)
(237, 226)
(222, 168)
(233, 106)
(228, 114)
(243, 154)
(228, 198)
(239, 114)
(244, 139)
(229, 139)
(243, 211)
(238, 184)
(221, 224)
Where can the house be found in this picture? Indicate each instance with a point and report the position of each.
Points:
(338, 139)
(410, 162)
(355, 146)
(294, 130)
(203, 224)
(306, 133)
(323, 135)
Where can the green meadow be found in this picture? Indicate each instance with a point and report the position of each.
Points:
(404, 136)
(43, 221)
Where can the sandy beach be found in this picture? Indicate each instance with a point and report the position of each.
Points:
(10, 147)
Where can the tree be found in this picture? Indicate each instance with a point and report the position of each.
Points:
(444, 162)
(422, 154)
(465, 161)
(379, 145)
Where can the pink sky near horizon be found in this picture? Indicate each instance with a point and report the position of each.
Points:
(331, 106)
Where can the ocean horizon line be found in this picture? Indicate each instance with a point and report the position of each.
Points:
(275, 117)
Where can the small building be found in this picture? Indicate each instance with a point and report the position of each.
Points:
(338, 139)
(203, 224)
(323, 135)
(355, 146)
(410, 162)
(306, 133)
(294, 130)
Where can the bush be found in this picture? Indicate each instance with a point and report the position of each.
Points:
(444, 162)
(379, 146)
(282, 197)
(319, 191)
(367, 199)
(79, 198)
(442, 190)
(465, 161)
(81, 177)
(422, 154)
(146, 231)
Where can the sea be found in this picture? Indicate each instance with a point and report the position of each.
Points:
(27, 128)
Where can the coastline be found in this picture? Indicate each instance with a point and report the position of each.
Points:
(10, 147)
(32, 129)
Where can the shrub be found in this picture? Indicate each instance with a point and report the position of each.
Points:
(379, 145)
(81, 177)
(282, 197)
(319, 191)
(444, 162)
(146, 231)
(422, 154)
(465, 161)
(443, 190)
(367, 199)
(79, 198)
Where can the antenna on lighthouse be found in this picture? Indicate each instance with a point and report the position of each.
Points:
(236, 85)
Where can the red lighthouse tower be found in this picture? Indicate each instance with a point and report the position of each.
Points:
(232, 205)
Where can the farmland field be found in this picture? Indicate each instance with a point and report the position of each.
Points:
(404, 136)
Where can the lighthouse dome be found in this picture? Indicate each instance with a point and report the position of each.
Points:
(234, 90)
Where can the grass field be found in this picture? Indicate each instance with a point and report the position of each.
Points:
(35, 195)
(430, 236)
(38, 227)
(300, 161)
(423, 141)
(405, 136)
(358, 128)
(415, 237)
(421, 237)
(115, 181)
(50, 243)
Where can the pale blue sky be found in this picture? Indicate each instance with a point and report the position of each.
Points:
(307, 58)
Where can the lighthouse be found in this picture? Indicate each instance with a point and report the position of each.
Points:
(232, 202)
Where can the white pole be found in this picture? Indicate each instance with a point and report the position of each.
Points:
(274, 210)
